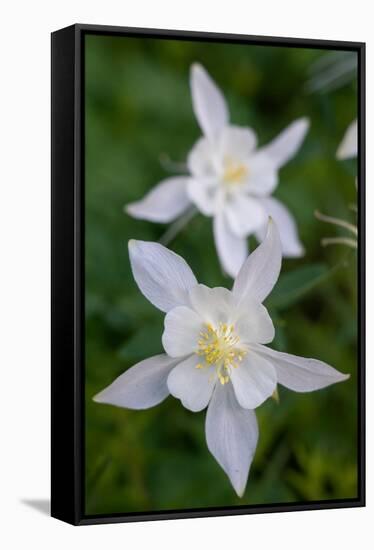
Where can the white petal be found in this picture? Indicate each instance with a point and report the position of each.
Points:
(262, 175)
(181, 334)
(285, 146)
(192, 385)
(349, 145)
(203, 195)
(231, 435)
(232, 250)
(261, 270)
(208, 103)
(299, 373)
(236, 142)
(163, 203)
(244, 214)
(141, 386)
(253, 323)
(162, 276)
(202, 159)
(217, 305)
(254, 380)
(291, 245)
(213, 305)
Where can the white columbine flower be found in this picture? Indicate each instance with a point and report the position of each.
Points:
(215, 354)
(229, 179)
(348, 147)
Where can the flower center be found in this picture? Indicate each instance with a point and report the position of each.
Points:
(233, 172)
(219, 348)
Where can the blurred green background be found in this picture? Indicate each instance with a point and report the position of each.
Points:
(138, 109)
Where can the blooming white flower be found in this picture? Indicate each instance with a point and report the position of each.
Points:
(229, 179)
(349, 145)
(215, 353)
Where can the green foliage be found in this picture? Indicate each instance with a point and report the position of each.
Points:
(137, 108)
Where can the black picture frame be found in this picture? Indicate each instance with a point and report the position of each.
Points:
(68, 228)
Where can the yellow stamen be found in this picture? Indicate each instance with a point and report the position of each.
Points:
(219, 348)
(234, 172)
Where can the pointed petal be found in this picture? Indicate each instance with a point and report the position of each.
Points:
(286, 145)
(208, 103)
(181, 334)
(261, 270)
(232, 250)
(299, 373)
(349, 145)
(231, 435)
(141, 386)
(162, 276)
(254, 380)
(193, 386)
(291, 244)
(163, 203)
(244, 215)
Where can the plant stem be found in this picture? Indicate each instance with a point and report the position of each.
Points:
(172, 166)
(177, 226)
(339, 240)
(336, 221)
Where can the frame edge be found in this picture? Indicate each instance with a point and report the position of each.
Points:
(63, 326)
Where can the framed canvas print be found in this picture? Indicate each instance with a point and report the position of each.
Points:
(207, 274)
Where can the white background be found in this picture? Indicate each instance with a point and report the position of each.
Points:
(25, 258)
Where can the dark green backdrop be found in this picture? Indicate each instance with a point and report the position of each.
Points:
(138, 107)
